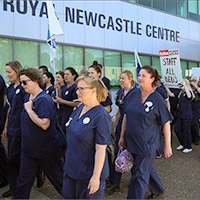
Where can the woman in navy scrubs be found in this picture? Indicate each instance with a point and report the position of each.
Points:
(68, 99)
(195, 111)
(48, 79)
(40, 138)
(96, 72)
(183, 122)
(88, 134)
(3, 112)
(12, 129)
(127, 85)
(145, 114)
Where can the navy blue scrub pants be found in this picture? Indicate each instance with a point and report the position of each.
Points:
(143, 176)
(3, 164)
(195, 130)
(183, 132)
(77, 189)
(52, 167)
(14, 154)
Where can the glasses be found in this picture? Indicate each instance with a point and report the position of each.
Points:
(81, 89)
(24, 82)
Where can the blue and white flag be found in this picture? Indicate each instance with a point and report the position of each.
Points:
(54, 30)
(138, 66)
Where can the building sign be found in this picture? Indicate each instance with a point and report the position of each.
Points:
(170, 67)
(116, 25)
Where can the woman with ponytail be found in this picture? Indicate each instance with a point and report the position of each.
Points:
(88, 134)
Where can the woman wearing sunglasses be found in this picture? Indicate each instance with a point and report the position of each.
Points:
(40, 138)
(12, 129)
(88, 134)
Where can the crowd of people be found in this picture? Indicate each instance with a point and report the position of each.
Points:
(59, 126)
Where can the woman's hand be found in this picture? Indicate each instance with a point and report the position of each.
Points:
(93, 185)
(5, 133)
(168, 152)
(121, 142)
(28, 106)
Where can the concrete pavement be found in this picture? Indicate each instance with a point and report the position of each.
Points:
(35, 194)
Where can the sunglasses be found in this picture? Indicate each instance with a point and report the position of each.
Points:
(24, 82)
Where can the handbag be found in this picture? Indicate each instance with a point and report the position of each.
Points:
(124, 161)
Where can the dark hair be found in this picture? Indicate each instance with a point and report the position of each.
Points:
(61, 73)
(34, 75)
(50, 75)
(153, 72)
(96, 63)
(44, 68)
(73, 72)
(96, 68)
(15, 65)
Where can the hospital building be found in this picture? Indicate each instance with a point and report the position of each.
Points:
(107, 31)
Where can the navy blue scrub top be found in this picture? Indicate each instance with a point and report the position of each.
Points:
(36, 142)
(144, 122)
(184, 106)
(3, 91)
(16, 101)
(68, 94)
(50, 90)
(120, 103)
(94, 127)
(196, 106)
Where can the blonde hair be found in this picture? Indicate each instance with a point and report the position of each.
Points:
(97, 83)
(130, 76)
(187, 84)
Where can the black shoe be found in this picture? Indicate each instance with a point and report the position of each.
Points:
(9, 193)
(113, 188)
(2, 184)
(155, 196)
(40, 179)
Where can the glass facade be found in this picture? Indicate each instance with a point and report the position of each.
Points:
(184, 8)
(34, 54)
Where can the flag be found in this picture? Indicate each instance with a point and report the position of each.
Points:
(54, 30)
(138, 66)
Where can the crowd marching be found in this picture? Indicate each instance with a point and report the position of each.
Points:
(60, 127)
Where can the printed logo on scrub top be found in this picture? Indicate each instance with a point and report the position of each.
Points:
(148, 106)
(66, 93)
(17, 91)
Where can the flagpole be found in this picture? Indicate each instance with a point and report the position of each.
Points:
(138, 66)
(54, 31)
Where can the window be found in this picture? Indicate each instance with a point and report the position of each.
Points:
(145, 60)
(112, 66)
(192, 9)
(91, 55)
(182, 8)
(191, 65)
(171, 6)
(185, 72)
(159, 4)
(145, 2)
(128, 63)
(73, 57)
(156, 65)
(26, 53)
(5, 54)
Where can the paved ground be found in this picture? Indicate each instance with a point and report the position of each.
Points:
(180, 175)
